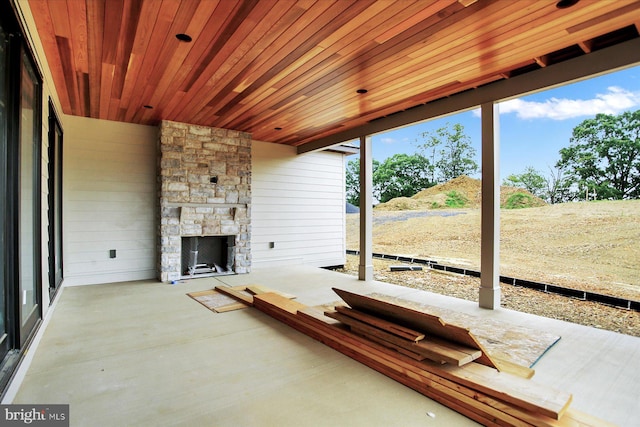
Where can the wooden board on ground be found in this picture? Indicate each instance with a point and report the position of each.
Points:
(239, 294)
(431, 348)
(259, 289)
(432, 325)
(216, 301)
(515, 343)
(479, 392)
(390, 327)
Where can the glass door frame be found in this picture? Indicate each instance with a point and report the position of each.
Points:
(27, 324)
(56, 263)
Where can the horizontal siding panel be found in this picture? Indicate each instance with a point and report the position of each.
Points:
(329, 207)
(297, 169)
(110, 169)
(271, 179)
(110, 151)
(118, 245)
(297, 194)
(107, 236)
(116, 225)
(133, 186)
(109, 178)
(295, 216)
(297, 203)
(260, 203)
(123, 257)
(319, 246)
(328, 252)
(101, 268)
(288, 236)
(300, 223)
(315, 187)
(79, 211)
(111, 196)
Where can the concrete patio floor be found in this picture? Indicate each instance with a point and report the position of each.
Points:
(144, 353)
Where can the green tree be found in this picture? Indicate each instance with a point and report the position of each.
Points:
(401, 175)
(352, 180)
(553, 188)
(604, 156)
(450, 152)
(558, 186)
(531, 180)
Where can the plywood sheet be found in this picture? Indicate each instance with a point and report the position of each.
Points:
(418, 320)
(216, 301)
(517, 344)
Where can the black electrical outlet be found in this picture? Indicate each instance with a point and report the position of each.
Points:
(112, 253)
(213, 180)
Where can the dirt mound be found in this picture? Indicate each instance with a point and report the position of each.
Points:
(399, 204)
(468, 190)
(525, 199)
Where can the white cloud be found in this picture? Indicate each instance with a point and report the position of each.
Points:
(390, 140)
(614, 101)
(385, 140)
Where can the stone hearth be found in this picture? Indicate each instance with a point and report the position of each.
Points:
(204, 177)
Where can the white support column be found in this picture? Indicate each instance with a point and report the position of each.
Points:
(490, 233)
(365, 268)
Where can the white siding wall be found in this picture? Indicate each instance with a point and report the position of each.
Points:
(109, 192)
(298, 204)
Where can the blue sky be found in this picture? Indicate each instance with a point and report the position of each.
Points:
(533, 128)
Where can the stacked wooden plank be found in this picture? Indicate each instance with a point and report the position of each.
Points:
(474, 388)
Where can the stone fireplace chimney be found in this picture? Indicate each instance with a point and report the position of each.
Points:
(204, 191)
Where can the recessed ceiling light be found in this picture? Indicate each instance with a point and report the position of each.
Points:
(278, 128)
(184, 37)
(563, 4)
(361, 91)
(149, 107)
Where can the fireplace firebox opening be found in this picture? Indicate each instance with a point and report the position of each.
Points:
(207, 256)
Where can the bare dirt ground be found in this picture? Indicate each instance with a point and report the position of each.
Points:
(590, 246)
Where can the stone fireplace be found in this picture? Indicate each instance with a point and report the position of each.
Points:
(204, 177)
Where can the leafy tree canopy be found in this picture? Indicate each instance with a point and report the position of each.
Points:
(604, 156)
(401, 175)
(352, 180)
(531, 180)
(450, 152)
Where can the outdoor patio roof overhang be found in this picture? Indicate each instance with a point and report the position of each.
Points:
(314, 73)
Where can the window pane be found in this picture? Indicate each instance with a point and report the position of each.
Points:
(3, 171)
(28, 139)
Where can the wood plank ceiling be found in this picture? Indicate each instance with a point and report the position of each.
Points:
(290, 71)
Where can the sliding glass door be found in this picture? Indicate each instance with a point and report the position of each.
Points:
(4, 193)
(20, 194)
(29, 196)
(55, 202)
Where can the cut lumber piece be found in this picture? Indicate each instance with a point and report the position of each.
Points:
(236, 293)
(514, 396)
(513, 368)
(399, 349)
(434, 349)
(259, 289)
(390, 327)
(430, 324)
